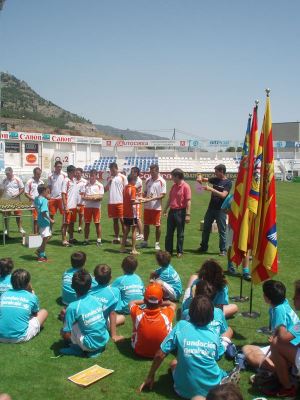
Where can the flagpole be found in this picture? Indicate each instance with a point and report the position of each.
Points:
(240, 298)
(251, 314)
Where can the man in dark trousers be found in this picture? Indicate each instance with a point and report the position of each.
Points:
(220, 189)
(179, 202)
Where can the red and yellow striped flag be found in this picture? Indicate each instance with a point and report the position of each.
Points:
(239, 220)
(264, 263)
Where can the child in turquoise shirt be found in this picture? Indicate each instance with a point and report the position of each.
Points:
(130, 285)
(20, 316)
(167, 276)
(196, 370)
(6, 266)
(85, 325)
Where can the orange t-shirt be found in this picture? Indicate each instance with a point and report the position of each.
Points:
(150, 327)
(129, 209)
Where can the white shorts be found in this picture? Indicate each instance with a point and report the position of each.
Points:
(77, 337)
(45, 232)
(229, 236)
(297, 360)
(33, 329)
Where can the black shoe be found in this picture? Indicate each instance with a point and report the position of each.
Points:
(86, 243)
(202, 250)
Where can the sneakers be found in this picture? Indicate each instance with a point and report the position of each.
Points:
(223, 253)
(202, 250)
(79, 230)
(65, 243)
(116, 240)
(157, 246)
(231, 270)
(73, 241)
(42, 259)
(139, 237)
(143, 244)
(86, 242)
(247, 276)
(5, 232)
(98, 243)
(231, 350)
(179, 255)
(22, 231)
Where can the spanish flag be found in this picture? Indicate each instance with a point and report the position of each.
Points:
(239, 220)
(264, 262)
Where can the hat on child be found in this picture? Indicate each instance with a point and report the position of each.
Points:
(153, 293)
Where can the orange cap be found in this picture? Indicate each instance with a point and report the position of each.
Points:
(153, 293)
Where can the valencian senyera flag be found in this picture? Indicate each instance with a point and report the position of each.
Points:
(264, 253)
(239, 215)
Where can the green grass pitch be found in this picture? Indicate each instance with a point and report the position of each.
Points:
(32, 371)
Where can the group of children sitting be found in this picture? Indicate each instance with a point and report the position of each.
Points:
(94, 308)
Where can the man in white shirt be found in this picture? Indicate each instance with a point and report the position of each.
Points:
(92, 195)
(55, 181)
(80, 182)
(135, 171)
(31, 193)
(13, 188)
(155, 191)
(115, 186)
(69, 193)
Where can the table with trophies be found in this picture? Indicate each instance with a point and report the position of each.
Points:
(7, 209)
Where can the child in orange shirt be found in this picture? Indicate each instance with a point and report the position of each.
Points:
(130, 212)
(152, 321)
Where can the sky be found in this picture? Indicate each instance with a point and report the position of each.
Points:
(154, 65)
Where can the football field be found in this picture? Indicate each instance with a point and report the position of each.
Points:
(34, 371)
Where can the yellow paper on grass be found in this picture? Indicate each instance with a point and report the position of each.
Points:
(90, 375)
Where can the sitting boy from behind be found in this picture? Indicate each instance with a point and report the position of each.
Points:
(108, 296)
(6, 266)
(285, 349)
(131, 288)
(218, 324)
(167, 277)
(20, 316)
(152, 321)
(281, 315)
(78, 260)
(85, 325)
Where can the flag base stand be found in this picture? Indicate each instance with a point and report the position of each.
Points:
(250, 314)
(240, 298)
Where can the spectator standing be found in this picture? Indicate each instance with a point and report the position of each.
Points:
(155, 191)
(31, 192)
(179, 202)
(115, 185)
(80, 182)
(13, 188)
(220, 189)
(55, 181)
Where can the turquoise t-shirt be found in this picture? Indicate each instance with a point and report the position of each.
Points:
(87, 313)
(69, 294)
(131, 288)
(5, 284)
(283, 314)
(221, 297)
(41, 205)
(16, 309)
(197, 370)
(218, 325)
(170, 276)
(108, 296)
(295, 331)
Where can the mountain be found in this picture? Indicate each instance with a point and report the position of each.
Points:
(22, 109)
(127, 133)
(20, 102)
